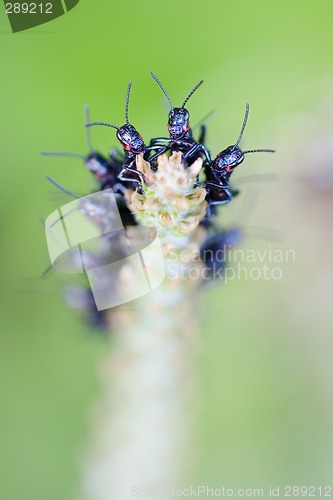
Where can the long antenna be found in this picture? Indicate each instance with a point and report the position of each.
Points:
(244, 124)
(59, 186)
(71, 155)
(191, 93)
(86, 121)
(102, 123)
(127, 100)
(46, 271)
(259, 151)
(63, 216)
(161, 86)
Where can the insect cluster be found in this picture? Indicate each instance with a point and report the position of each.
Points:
(118, 170)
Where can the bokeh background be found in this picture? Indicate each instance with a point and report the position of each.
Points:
(265, 367)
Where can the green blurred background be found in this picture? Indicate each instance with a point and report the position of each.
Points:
(265, 366)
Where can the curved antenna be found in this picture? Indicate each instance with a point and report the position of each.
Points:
(127, 100)
(244, 124)
(71, 155)
(259, 151)
(161, 86)
(102, 123)
(63, 216)
(59, 186)
(86, 121)
(192, 92)
(46, 271)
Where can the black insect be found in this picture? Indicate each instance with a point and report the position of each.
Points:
(105, 170)
(80, 298)
(219, 170)
(215, 249)
(181, 138)
(133, 144)
(95, 208)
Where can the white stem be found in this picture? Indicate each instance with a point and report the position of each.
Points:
(141, 426)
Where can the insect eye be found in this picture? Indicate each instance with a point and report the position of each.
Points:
(127, 147)
(168, 127)
(228, 168)
(185, 128)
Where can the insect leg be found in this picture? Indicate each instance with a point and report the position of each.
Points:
(222, 187)
(129, 168)
(158, 151)
(195, 149)
(159, 139)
